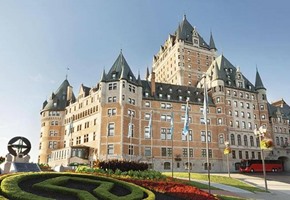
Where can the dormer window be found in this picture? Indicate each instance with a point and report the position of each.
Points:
(170, 90)
(130, 78)
(113, 76)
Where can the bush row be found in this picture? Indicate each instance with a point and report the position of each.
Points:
(122, 165)
(10, 188)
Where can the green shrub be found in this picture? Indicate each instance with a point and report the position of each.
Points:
(56, 183)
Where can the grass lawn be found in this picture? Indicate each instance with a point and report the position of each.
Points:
(217, 179)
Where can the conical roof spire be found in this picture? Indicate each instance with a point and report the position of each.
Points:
(103, 78)
(259, 83)
(211, 42)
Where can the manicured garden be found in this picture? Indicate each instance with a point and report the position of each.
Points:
(109, 180)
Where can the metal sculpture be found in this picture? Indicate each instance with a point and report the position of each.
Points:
(19, 146)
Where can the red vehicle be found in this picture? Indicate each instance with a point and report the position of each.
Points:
(257, 166)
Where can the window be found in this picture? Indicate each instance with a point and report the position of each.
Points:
(147, 151)
(112, 86)
(203, 153)
(219, 110)
(86, 138)
(245, 140)
(220, 121)
(112, 111)
(235, 103)
(232, 139)
(221, 139)
(147, 104)
(233, 154)
(184, 137)
(247, 155)
(253, 155)
(111, 129)
(167, 165)
(243, 125)
(110, 149)
(147, 133)
(132, 88)
(277, 141)
(240, 155)
(239, 140)
(203, 136)
(147, 116)
(131, 149)
(166, 151)
(251, 141)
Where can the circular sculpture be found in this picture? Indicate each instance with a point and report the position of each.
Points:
(19, 145)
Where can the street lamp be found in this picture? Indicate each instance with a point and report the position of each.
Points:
(227, 151)
(260, 133)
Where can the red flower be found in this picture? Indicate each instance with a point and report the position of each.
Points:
(174, 188)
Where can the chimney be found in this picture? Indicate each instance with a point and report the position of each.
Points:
(69, 93)
(153, 87)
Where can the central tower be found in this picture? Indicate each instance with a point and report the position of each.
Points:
(184, 57)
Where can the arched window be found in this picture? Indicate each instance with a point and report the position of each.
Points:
(221, 139)
(239, 140)
(245, 140)
(186, 165)
(167, 165)
(232, 139)
(252, 141)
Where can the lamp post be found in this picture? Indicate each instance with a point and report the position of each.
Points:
(260, 133)
(227, 151)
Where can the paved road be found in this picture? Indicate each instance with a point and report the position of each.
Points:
(278, 185)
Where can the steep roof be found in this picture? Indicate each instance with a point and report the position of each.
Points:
(259, 83)
(163, 90)
(222, 69)
(211, 43)
(185, 32)
(119, 70)
(279, 107)
(58, 99)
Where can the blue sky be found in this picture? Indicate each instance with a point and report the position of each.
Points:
(40, 39)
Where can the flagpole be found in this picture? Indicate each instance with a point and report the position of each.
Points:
(187, 135)
(172, 144)
(131, 135)
(206, 133)
(151, 135)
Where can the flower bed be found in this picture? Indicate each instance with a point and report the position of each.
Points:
(174, 188)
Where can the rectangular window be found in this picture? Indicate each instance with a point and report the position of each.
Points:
(147, 151)
(147, 134)
(110, 149)
(203, 153)
(240, 155)
(111, 129)
(131, 149)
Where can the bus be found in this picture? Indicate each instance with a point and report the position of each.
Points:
(257, 166)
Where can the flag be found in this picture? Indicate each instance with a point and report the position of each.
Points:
(186, 122)
(130, 127)
(150, 125)
(70, 127)
(171, 125)
(205, 101)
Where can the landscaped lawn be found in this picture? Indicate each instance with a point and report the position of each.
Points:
(217, 179)
(70, 186)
